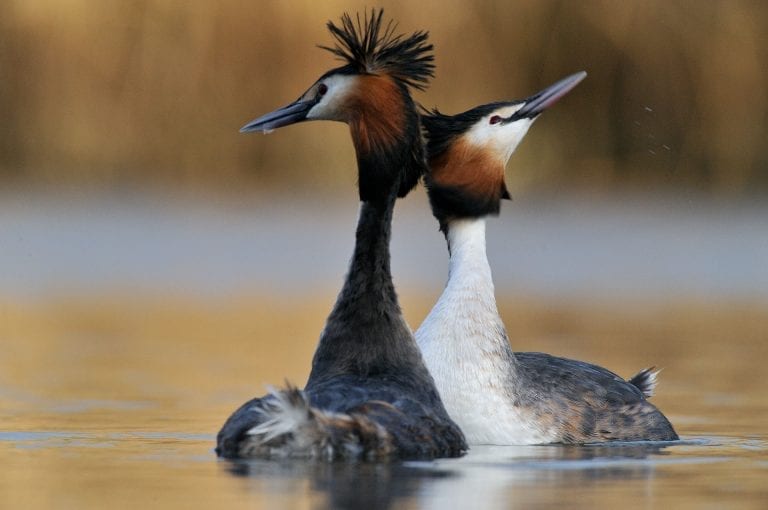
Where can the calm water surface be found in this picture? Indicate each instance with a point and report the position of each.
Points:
(635, 247)
(117, 406)
(111, 394)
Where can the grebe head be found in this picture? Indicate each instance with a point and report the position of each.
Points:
(371, 94)
(468, 152)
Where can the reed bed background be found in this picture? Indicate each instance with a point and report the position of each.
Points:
(150, 93)
(145, 97)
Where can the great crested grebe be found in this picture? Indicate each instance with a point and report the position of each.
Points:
(498, 396)
(369, 394)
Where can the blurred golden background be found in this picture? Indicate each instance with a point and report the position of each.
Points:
(132, 325)
(151, 93)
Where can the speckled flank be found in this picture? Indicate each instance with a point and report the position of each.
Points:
(584, 402)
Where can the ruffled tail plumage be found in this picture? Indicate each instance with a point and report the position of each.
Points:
(646, 381)
(295, 429)
(289, 427)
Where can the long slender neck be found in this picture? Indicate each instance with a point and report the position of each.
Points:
(468, 265)
(366, 335)
(369, 282)
(465, 319)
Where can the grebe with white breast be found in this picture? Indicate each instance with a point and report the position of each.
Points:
(498, 396)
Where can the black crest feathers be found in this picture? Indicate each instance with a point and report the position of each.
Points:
(371, 48)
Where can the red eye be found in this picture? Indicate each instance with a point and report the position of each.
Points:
(322, 89)
(495, 119)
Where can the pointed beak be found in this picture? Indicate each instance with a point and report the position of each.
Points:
(290, 114)
(537, 103)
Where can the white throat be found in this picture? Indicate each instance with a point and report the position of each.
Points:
(465, 321)
(468, 262)
(465, 347)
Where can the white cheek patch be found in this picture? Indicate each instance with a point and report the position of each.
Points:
(512, 135)
(500, 139)
(330, 107)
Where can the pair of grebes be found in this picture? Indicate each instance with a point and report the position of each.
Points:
(376, 391)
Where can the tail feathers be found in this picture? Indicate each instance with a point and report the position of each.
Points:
(291, 427)
(646, 381)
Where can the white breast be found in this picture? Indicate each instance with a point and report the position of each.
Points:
(465, 347)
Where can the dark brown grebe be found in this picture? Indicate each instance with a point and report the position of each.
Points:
(495, 395)
(369, 394)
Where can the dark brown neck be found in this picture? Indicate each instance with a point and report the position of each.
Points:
(386, 133)
(366, 335)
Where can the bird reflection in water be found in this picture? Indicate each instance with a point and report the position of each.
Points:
(488, 477)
